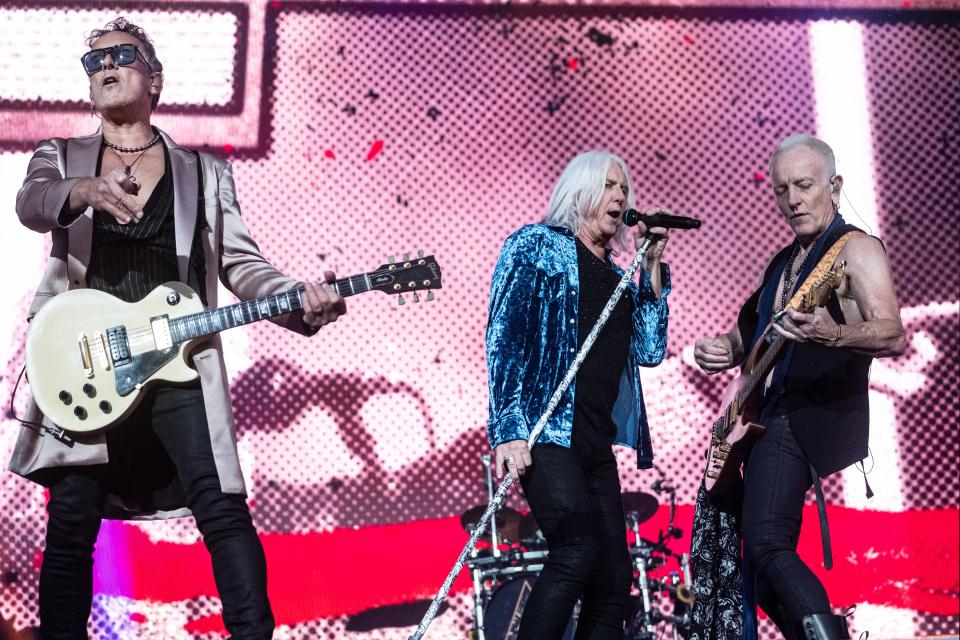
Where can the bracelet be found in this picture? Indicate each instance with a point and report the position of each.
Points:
(839, 335)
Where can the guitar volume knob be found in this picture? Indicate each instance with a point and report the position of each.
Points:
(65, 397)
(80, 412)
(105, 406)
(89, 390)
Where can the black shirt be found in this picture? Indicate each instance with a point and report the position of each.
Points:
(598, 380)
(130, 260)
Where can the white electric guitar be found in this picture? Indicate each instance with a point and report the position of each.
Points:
(91, 355)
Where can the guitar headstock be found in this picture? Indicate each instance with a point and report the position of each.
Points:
(822, 287)
(407, 275)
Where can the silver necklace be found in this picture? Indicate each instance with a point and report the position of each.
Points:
(116, 147)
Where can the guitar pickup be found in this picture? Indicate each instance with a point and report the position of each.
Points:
(118, 345)
(161, 332)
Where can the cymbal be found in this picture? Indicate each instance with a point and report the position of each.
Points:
(508, 521)
(642, 505)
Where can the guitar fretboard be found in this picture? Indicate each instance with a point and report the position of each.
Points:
(724, 423)
(206, 323)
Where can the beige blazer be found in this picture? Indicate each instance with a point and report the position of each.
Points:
(230, 253)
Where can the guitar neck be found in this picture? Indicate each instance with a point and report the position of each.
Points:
(750, 381)
(206, 323)
(761, 369)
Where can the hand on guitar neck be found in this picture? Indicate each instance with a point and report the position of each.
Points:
(816, 327)
(322, 304)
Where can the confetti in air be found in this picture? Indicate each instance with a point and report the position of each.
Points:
(375, 150)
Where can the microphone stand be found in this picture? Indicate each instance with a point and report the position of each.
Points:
(535, 433)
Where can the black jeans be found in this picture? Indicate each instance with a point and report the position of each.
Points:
(575, 497)
(76, 508)
(776, 479)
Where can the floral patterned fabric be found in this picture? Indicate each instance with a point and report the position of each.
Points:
(717, 573)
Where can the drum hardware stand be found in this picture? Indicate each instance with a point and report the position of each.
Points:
(534, 434)
(681, 596)
(479, 602)
(477, 572)
(643, 553)
(680, 591)
(643, 625)
(488, 468)
(663, 486)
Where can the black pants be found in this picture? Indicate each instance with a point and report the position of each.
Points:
(76, 508)
(776, 480)
(575, 496)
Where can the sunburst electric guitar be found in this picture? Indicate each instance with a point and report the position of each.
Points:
(735, 431)
(90, 355)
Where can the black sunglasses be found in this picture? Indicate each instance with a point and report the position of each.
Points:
(122, 54)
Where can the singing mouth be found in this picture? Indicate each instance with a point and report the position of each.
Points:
(109, 80)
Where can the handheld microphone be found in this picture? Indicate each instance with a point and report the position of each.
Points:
(631, 217)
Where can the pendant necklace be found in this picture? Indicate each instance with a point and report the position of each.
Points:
(128, 169)
(789, 275)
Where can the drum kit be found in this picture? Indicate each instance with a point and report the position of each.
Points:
(504, 570)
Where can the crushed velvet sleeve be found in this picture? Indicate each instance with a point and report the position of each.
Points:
(650, 315)
(511, 297)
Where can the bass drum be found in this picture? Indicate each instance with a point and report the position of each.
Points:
(503, 612)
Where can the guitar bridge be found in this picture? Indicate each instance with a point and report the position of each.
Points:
(85, 358)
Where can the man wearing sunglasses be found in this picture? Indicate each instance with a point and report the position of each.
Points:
(128, 210)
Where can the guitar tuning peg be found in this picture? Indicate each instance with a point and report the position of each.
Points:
(390, 259)
(406, 256)
(419, 253)
(430, 296)
(400, 299)
(416, 298)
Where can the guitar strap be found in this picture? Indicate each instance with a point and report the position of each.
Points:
(823, 266)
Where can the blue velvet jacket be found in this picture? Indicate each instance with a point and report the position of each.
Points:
(532, 340)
